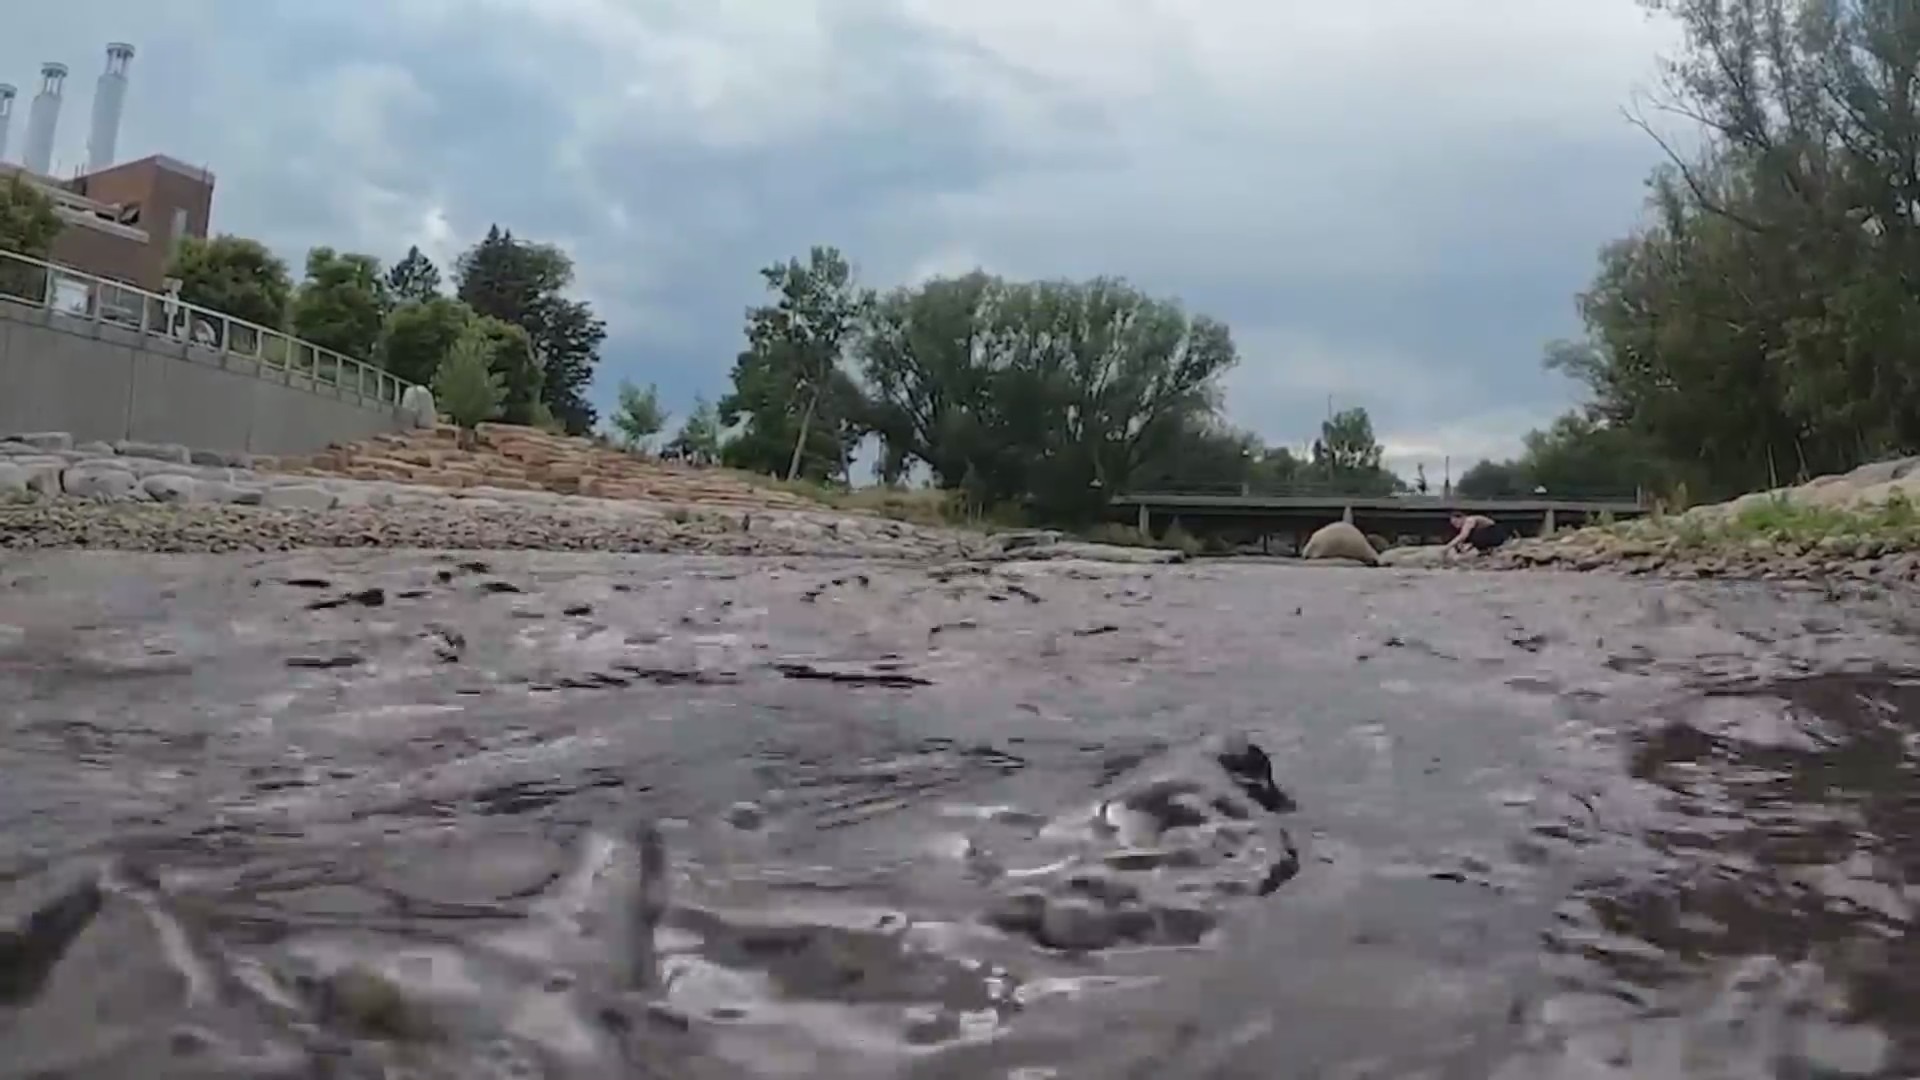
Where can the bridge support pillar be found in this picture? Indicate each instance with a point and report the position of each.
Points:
(1546, 529)
(1346, 514)
(1145, 521)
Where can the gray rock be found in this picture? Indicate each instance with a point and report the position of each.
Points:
(416, 404)
(746, 815)
(1102, 886)
(1879, 472)
(221, 459)
(1340, 540)
(100, 483)
(1181, 925)
(1419, 555)
(173, 452)
(15, 448)
(95, 449)
(1137, 859)
(299, 497)
(1019, 912)
(169, 488)
(1026, 538)
(14, 483)
(44, 440)
(1078, 925)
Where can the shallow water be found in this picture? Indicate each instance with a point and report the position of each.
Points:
(264, 821)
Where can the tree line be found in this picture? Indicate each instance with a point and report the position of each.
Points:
(505, 343)
(1051, 396)
(1758, 327)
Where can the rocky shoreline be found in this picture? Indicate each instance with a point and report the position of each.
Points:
(1861, 526)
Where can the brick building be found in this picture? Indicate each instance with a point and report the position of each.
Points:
(123, 220)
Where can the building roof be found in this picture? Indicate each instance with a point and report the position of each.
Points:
(75, 208)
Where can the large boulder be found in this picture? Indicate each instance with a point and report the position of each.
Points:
(1340, 540)
(417, 404)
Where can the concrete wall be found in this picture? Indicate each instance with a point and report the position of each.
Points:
(105, 382)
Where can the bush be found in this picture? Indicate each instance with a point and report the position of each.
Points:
(465, 385)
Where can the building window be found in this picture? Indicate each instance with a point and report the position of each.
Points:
(179, 233)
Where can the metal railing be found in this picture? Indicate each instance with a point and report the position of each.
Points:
(71, 293)
(1335, 490)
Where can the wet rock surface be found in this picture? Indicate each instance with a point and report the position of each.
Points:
(368, 814)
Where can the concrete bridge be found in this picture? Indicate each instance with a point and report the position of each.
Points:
(1295, 517)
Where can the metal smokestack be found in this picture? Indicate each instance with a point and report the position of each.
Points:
(6, 116)
(109, 99)
(43, 118)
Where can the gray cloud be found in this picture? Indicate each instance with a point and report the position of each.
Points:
(1393, 203)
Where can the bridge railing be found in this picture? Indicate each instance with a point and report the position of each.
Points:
(1334, 490)
(70, 293)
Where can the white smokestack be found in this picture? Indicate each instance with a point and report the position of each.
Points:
(109, 98)
(6, 116)
(43, 118)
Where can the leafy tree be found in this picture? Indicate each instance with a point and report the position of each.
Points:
(465, 387)
(1276, 471)
(342, 304)
(28, 224)
(522, 283)
(1053, 393)
(639, 416)
(792, 364)
(761, 404)
(414, 278)
(510, 358)
(1493, 480)
(419, 335)
(1757, 327)
(234, 276)
(1206, 457)
(699, 437)
(567, 338)
(788, 385)
(1347, 456)
(1578, 456)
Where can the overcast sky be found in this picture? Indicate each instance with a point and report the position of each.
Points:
(1392, 202)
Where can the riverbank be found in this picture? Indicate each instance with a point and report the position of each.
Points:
(1861, 526)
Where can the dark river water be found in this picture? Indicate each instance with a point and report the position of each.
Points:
(420, 815)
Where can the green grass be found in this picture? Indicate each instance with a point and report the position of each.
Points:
(1780, 522)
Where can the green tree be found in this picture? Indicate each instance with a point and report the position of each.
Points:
(342, 304)
(1493, 480)
(511, 359)
(638, 416)
(1055, 394)
(523, 283)
(234, 276)
(414, 279)
(1757, 327)
(699, 437)
(1346, 456)
(465, 387)
(418, 336)
(28, 223)
(1276, 471)
(788, 385)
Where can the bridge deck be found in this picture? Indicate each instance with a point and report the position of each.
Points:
(1421, 505)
